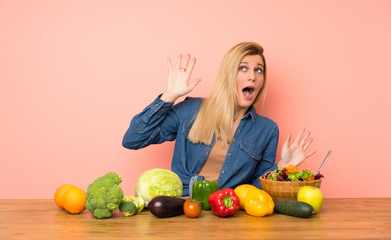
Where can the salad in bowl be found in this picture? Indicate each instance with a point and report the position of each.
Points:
(285, 183)
(292, 173)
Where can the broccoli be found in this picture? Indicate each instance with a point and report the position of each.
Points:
(131, 205)
(127, 208)
(104, 195)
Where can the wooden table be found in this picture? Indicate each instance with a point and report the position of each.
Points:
(338, 219)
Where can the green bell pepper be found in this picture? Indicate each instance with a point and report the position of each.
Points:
(202, 190)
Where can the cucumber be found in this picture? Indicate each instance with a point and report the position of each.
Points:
(293, 208)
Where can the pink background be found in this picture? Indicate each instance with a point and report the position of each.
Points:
(73, 74)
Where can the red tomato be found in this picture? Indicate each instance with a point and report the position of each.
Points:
(310, 178)
(192, 208)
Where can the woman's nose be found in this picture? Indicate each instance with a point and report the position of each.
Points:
(251, 75)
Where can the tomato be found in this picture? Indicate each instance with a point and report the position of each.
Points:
(310, 178)
(192, 208)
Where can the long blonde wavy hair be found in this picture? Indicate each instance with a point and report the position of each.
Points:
(217, 112)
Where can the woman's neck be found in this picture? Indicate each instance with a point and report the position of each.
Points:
(240, 114)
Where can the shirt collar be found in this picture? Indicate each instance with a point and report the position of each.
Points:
(251, 113)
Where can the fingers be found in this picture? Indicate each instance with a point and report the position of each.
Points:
(169, 64)
(307, 144)
(287, 140)
(190, 68)
(300, 135)
(185, 62)
(303, 138)
(179, 62)
(306, 138)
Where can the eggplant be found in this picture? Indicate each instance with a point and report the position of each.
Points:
(165, 206)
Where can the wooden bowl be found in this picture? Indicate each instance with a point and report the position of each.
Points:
(282, 190)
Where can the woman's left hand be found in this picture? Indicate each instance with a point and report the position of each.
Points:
(295, 153)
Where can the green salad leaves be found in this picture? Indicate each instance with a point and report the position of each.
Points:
(292, 176)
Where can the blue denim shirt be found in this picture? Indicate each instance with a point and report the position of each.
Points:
(251, 154)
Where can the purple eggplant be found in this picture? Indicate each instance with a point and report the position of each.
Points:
(164, 206)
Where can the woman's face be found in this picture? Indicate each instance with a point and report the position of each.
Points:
(250, 80)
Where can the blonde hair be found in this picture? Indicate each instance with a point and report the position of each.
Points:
(217, 112)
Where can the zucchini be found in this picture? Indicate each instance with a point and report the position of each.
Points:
(293, 208)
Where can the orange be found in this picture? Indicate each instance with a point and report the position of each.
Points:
(74, 200)
(241, 191)
(59, 195)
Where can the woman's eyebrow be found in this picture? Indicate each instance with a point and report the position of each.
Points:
(259, 64)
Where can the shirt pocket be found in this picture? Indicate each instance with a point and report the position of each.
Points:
(248, 158)
(254, 152)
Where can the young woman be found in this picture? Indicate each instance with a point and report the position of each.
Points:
(222, 137)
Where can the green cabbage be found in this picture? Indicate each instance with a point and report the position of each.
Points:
(157, 182)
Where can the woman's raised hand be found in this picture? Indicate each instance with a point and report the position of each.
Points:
(178, 82)
(295, 153)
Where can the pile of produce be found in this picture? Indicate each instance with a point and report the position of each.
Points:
(105, 195)
(160, 190)
(293, 174)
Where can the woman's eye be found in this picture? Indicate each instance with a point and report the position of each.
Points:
(258, 70)
(242, 68)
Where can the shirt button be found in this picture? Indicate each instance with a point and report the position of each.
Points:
(223, 172)
(229, 154)
(238, 129)
(206, 152)
(157, 105)
(233, 140)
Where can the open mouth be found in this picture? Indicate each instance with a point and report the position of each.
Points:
(248, 92)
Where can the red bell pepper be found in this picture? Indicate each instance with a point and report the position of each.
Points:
(224, 202)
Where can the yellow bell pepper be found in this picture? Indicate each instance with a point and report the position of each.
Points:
(258, 203)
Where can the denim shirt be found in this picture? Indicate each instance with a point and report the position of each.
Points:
(251, 154)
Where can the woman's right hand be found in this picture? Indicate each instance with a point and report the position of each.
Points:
(295, 153)
(178, 82)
